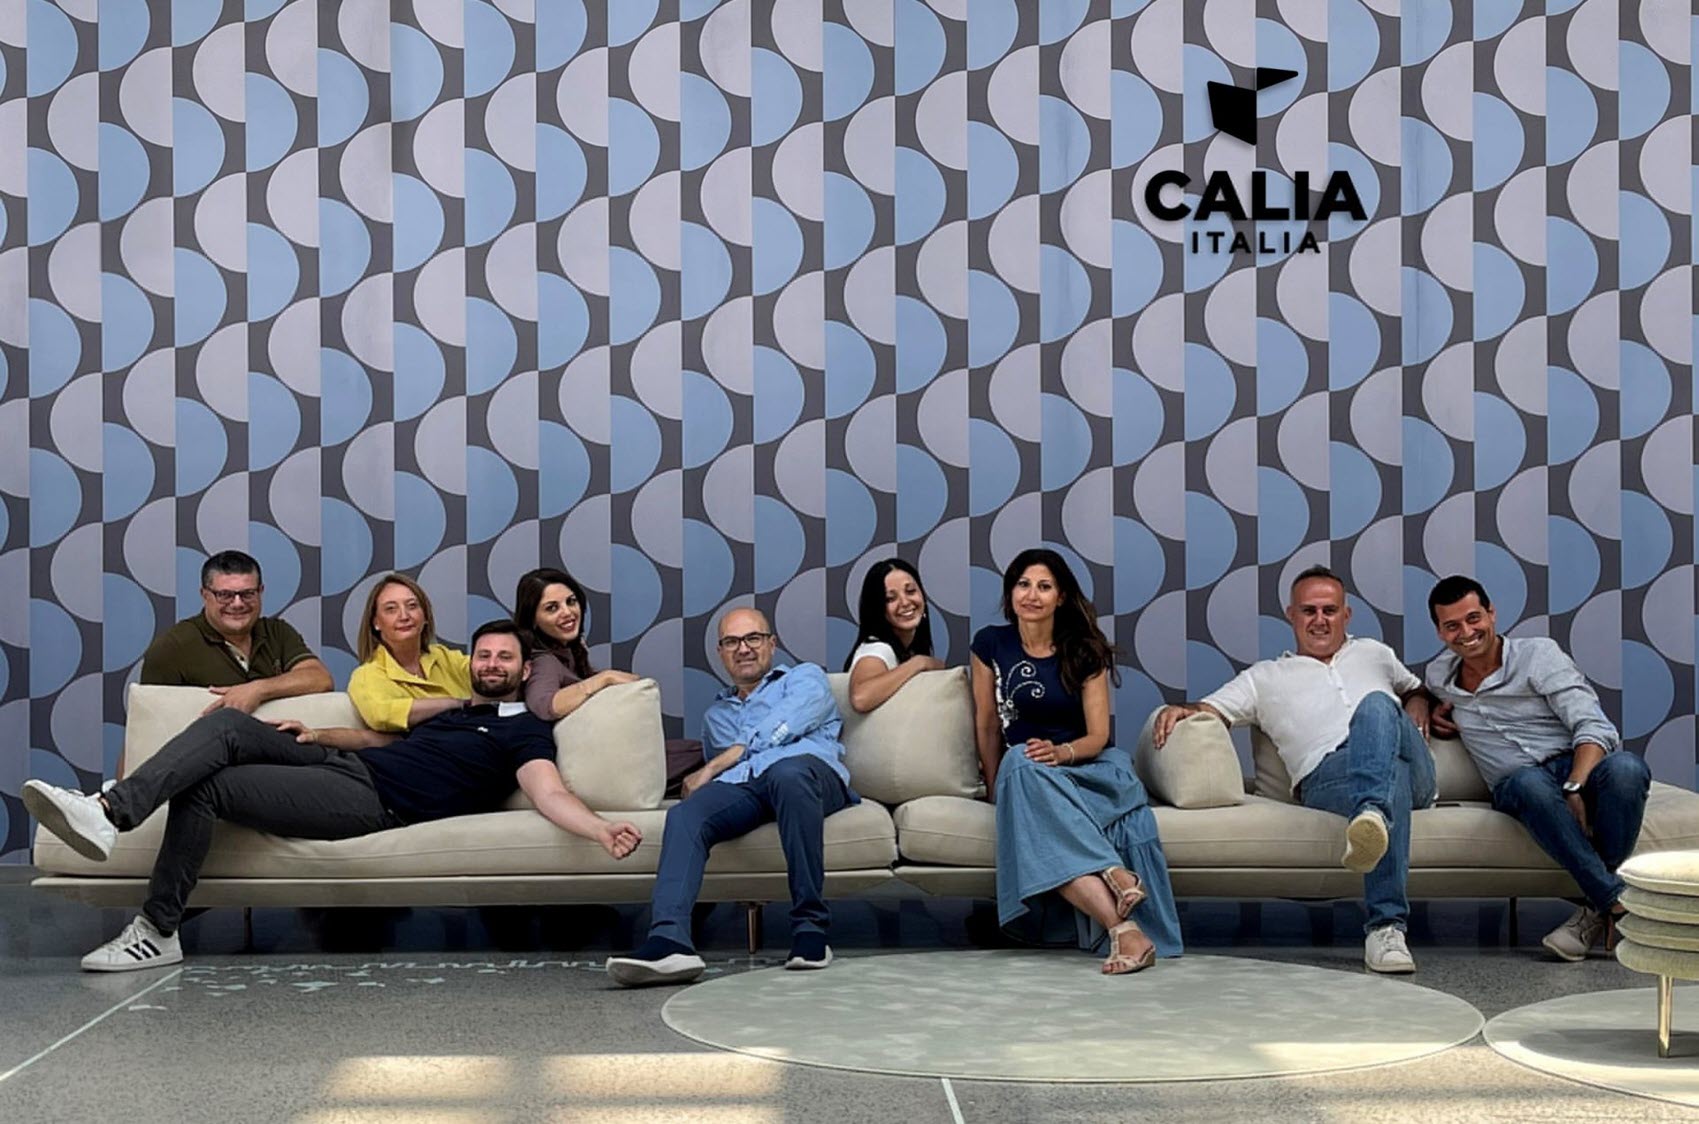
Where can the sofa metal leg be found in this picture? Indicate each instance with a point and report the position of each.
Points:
(1515, 928)
(752, 921)
(1666, 1003)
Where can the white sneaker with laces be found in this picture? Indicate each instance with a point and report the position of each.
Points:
(140, 945)
(1366, 840)
(1571, 940)
(1385, 951)
(77, 819)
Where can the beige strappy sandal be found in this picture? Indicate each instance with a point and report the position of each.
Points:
(1119, 963)
(1127, 888)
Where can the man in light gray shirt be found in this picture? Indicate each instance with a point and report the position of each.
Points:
(1553, 760)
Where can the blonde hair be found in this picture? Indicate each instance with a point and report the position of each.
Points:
(368, 643)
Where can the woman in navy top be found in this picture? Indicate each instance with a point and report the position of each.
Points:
(1076, 839)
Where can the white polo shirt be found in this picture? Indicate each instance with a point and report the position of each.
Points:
(1304, 705)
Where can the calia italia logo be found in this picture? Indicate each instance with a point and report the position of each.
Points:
(1233, 111)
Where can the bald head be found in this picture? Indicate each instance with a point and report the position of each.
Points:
(746, 647)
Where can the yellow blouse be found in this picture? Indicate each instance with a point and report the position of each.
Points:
(383, 691)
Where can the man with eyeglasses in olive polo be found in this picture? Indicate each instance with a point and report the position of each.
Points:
(771, 740)
(243, 657)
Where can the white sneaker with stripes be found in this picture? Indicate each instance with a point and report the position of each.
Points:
(140, 945)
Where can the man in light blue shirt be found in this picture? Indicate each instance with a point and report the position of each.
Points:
(771, 740)
(1534, 727)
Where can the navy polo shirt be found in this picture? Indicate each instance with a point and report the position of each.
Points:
(457, 763)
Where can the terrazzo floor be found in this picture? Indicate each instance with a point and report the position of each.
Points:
(504, 1015)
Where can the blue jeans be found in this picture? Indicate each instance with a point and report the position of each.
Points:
(1615, 795)
(798, 792)
(1383, 764)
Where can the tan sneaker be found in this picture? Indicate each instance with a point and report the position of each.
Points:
(1573, 939)
(1366, 841)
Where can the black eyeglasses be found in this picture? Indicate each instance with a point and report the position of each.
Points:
(751, 640)
(226, 596)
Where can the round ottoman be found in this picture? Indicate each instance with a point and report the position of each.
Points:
(1660, 933)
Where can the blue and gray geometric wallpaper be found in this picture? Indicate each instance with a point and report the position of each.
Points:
(711, 301)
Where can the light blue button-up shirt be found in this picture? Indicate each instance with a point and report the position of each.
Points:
(791, 712)
(1535, 706)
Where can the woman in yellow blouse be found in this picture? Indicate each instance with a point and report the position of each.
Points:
(405, 676)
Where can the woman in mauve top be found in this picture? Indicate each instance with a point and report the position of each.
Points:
(551, 604)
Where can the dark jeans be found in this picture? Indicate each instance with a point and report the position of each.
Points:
(798, 792)
(231, 766)
(1383, 764)
(1615, 796)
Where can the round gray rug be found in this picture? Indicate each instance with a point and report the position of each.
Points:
(1608, 1039)
(1018, 1015)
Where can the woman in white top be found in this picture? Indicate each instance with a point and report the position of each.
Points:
(893, 637)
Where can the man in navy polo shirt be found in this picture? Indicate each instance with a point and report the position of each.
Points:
(287, 779)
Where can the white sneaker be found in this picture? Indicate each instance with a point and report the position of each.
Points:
(802, 962)
(674, 968)
(140, 945)
(1385, 951)
(1571, 940)
(1365, 841)
(77, 819)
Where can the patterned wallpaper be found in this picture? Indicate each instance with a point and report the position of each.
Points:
(712, 301)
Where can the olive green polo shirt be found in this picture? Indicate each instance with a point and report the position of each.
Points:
(192, 653)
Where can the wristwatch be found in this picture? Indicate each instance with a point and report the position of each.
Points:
(1571, 788)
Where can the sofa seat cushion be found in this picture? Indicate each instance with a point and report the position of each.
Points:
(947, 831)
(952, 831)
(494, 843)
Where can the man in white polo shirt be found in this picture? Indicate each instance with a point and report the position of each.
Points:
(1349, 721)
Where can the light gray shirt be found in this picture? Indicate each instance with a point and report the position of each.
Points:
(1535, 706)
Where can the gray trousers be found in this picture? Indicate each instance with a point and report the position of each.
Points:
(231, 766)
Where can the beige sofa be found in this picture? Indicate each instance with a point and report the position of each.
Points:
(920, 825)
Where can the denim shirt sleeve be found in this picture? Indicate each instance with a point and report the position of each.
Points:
(1554, 675)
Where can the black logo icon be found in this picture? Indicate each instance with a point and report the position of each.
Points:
(1234, 111)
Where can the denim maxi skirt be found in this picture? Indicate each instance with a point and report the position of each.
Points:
(1055, 823)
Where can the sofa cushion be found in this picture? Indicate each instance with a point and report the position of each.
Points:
(1657, 961)
(156, 714)
(947, 831)
(1677, 909)
(1197, 767)
(1665, 872)
(860, 837)
(950, 831)
(918, 743)
(612, 749)
(1455, 773)
(1659, 934)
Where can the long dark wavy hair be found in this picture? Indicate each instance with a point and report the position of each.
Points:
(1083, 648)
(871, 623)
(525, 602)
